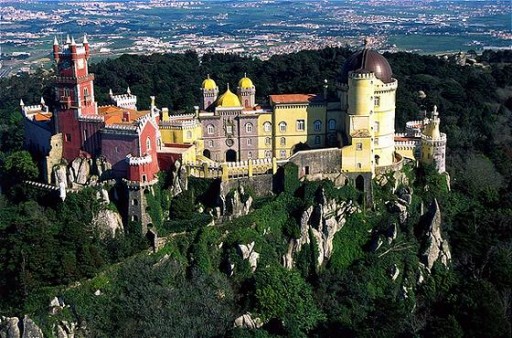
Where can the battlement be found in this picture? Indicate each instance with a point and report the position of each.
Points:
(362, 75)
(132, 160)
(441, 139)
(385, 87)
(91, 118)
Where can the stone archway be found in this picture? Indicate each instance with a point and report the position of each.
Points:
(230, 155)
(206, 153)
(360, 183)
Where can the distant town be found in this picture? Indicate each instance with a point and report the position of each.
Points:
(258, 29)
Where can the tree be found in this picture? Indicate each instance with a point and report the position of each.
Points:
(19, 166)
(285, 295)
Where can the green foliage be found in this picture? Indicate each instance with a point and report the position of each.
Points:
(284, 295)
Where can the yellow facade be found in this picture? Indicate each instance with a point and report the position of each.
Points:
(265, 139)
(289, 122)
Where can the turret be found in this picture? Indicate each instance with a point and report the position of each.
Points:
(56, 49)
(72, 48)
(86, 46)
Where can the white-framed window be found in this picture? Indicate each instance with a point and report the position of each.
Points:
(268, 154)
(189, 134)
(376, 141)
(317, 139)
(282, 127)
(268, 141)
(148, 144)
(301, 125)
(317, 125)
(376, 101)
(359, 146)
(86, 92)
(229, 129)
(332, 124)
(249, 155)
(210, 144)
(210, 129)
(249, 141)
(376, 126)
(267, 127)
(282, 141)
(248, 127)
(159, 143)
(283, 153)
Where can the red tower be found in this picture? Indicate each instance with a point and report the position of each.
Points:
(74, 90)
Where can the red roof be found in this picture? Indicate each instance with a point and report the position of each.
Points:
(292, 98)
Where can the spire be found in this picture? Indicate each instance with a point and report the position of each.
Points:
(22, 103)
(367, 42)
(42, 101)
(245, 74)
(110, 93)
(228, 86)
(207, 76)
(68, 40)
(85, 39)
(435, 112)
(55, 42)
(73, 43)
(128, 91)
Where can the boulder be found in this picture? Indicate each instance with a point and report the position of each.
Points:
(108, 223)
(435, 246)
(249, 254)
(238, 203)
(9, 327)
(247, 322)
(80, 170)
(102, 167)
(60, 175)
(179, 179)
(30, 329)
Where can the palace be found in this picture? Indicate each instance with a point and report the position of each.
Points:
(229, 134)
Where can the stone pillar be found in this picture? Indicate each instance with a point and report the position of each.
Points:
(205, 170)
(249, 166)
(274, 165)
(225, 173)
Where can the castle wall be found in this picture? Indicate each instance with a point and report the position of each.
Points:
(262, 185)
(312, 162)
(115, 147)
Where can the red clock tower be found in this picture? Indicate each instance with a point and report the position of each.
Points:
(76, 112)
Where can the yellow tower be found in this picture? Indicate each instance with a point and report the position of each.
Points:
(246, 92)
(210, 92)
(368, 104)
(433, 142)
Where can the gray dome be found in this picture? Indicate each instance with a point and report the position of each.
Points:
(368, 60)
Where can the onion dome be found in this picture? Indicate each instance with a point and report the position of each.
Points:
(368, 61)
(228, 100)
(208, 83)
(245, 82)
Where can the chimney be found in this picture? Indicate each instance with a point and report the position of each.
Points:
(126, 116)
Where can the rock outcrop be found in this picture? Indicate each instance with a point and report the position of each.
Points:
(9, 327)
(238, 203)
(323, 221)
(179, 179)
(30, 329)
(108, 223)
(248, 253)
(247, 322)
(435, 246)
(79, 170)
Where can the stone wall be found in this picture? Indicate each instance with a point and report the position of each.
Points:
(261, 185)
(318, 161)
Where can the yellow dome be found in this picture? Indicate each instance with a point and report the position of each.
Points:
(209, 83)
(245, 82)
(228, 99)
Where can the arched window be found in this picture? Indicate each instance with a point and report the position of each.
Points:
(283, 141)
(86, 94)
(189, 134)
(249, 141)
(317, 139)
(332, 124)
(248, 127)
(282, 127)
(267, 127)
(210, 143)
(249, 155)
(268, 154)
(210, 129)
(159, 144)
(376, 126)
(148, 144)
(317, 125)
(268, 141)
